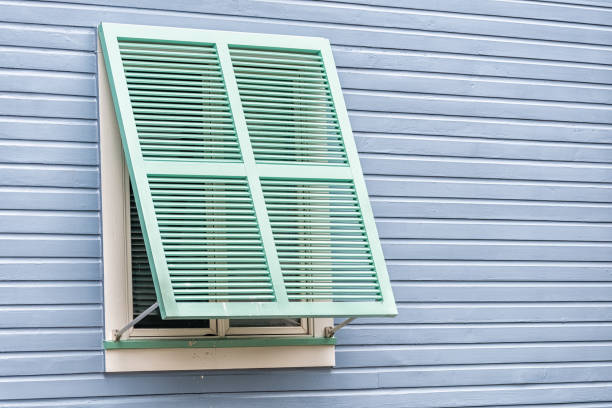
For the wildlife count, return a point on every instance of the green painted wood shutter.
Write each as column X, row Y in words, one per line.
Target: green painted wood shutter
column 249, row 190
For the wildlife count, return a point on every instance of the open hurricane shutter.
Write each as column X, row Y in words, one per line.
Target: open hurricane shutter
column 245, row 174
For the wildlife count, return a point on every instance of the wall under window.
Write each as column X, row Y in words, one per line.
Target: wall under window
column 484, row 129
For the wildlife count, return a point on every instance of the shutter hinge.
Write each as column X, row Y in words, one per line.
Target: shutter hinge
column 330, row 331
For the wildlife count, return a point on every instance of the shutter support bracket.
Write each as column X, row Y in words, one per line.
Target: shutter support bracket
column 330, row 331
column 118, row 333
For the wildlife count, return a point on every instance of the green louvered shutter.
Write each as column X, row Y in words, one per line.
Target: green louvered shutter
column 249, row 191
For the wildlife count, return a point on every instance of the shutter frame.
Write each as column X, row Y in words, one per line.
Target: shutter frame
column 249, row 169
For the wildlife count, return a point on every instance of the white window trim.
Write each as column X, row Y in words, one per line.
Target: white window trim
column 306, row 328
column 117, row 284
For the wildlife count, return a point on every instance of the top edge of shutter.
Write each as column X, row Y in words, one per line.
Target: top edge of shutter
column 245, row 174
column 195, row 35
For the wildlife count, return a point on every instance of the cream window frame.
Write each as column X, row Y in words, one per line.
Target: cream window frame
column 114, row 188
column 305, row 328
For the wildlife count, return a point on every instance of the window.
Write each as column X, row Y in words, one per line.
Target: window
column 143, row 296
column 123, row 300
column 253, row 215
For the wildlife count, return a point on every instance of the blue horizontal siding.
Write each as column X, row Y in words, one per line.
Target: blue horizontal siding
column 486, row 67
column 481, row 396
column 489, row 128
column 477, row 355
column 346, row 379
column 421, row 145
column 362, row 35
column 492, row 271
column 40, row 316
column 485, row 132
column 54, row 292
column 460, row 312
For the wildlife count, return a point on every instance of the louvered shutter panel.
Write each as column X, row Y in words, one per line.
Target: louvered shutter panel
column 248, row 186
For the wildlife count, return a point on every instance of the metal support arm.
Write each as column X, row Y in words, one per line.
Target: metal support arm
column 330, row 331
column 118, row 333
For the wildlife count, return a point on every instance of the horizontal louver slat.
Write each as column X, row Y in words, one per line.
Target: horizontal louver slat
column 321, row 240
column 179, row 101
column 288, row 107
column 143, row 289
column 226, row 262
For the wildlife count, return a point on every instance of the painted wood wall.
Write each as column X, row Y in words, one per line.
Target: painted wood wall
column 484, row 127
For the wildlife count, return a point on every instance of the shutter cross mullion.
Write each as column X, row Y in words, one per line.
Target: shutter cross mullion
column 252, row 174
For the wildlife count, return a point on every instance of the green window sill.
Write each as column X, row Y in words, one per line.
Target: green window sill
column 218, row 343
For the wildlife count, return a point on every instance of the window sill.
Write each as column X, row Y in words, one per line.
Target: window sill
column 135, row 355
column 216, row 342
